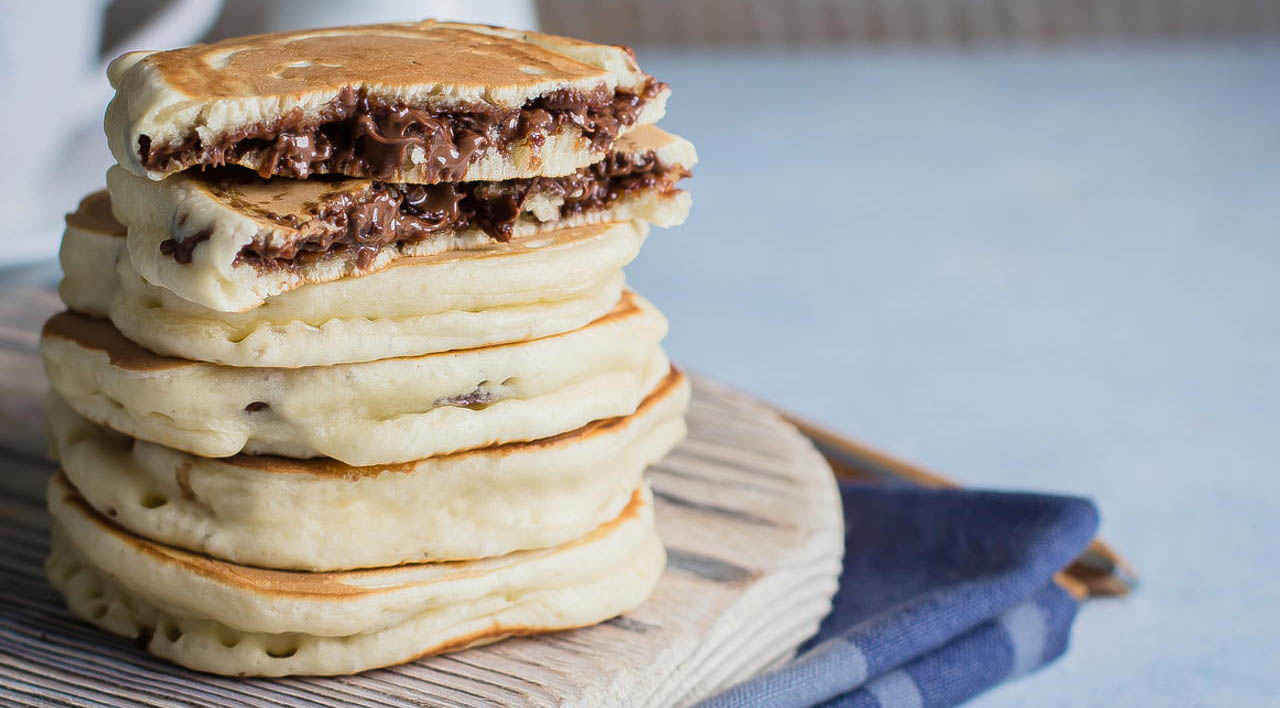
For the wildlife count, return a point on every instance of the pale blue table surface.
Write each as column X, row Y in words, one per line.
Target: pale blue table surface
column 1052, row 271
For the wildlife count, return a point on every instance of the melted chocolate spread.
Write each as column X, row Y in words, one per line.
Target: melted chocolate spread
column 363, row 136
column 358, row 225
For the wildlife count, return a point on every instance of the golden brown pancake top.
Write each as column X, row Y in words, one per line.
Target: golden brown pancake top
column 94, row 214
column 286, row 63
column 99, row 334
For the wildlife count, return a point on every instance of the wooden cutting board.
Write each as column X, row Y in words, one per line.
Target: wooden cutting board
column 747, row 507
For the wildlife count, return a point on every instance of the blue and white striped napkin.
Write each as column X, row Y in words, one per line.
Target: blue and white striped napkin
column 944, row 594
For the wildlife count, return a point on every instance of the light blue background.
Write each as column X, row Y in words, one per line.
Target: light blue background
column 1030, row 270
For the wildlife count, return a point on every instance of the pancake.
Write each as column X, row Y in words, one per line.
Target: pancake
column 502, row 292
column 418, row 102
column 316, row 515
column 239, row 620
column 91, row 243
column 227, row 240
column 379, row 412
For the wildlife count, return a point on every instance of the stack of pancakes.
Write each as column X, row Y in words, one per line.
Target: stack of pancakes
column 349, row 374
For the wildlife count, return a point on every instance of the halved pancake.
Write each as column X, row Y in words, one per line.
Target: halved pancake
column 500, row 292
column 418, row 102
column 319, row 514
column 226, row 239
column 232, row 619
column 386, row 411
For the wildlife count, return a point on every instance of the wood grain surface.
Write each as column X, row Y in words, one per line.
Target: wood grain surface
column 747, row 507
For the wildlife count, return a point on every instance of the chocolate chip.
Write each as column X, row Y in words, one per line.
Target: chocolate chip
column 182, row 250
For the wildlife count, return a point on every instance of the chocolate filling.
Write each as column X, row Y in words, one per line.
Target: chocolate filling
column 182, row 250
column 359, row 224
column 363, row 136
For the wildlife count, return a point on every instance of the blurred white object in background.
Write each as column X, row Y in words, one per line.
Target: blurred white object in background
column 51, row 51
column 302, row 14
column 55, row 65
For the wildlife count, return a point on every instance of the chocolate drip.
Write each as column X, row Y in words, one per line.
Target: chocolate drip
column 363, row 136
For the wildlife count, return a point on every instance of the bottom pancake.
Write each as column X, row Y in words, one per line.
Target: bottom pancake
column 230, row 619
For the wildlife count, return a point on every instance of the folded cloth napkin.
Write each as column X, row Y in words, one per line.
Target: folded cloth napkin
column 944, row 594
